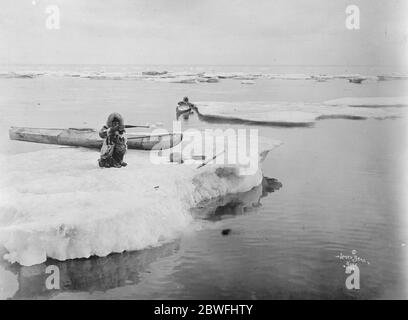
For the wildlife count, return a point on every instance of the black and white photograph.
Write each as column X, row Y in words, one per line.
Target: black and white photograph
column 193, row 150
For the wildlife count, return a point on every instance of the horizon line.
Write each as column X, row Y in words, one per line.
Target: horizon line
column 209, row 64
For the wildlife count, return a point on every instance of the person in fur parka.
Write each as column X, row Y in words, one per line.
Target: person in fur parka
column 114, row 144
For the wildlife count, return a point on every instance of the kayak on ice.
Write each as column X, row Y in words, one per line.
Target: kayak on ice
column 89, row 138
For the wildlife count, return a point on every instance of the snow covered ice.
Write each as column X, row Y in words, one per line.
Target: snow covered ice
column 193, row 76
column 370, row 102
column 58, row 203
column 301, row 113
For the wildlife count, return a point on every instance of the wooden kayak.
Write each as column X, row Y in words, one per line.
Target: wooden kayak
column 89, row 138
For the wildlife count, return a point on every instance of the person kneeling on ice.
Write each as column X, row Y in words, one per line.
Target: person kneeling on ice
column 114, row 144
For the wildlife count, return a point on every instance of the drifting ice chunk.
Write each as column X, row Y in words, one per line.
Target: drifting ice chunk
column 289, row 76
column 370, row 102
column 253, row 112
column 154, row 73
column 286, row 113
column 178, row 79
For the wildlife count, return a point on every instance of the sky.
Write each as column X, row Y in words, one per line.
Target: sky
column 220, row 32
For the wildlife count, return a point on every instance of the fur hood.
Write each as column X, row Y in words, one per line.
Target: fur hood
column 112, row 116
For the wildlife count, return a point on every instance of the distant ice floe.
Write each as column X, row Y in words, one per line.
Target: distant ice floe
column 393, row 76
column 179, row 79
column 289, row 76
column 20, row 75
column 370, row 102
column 276, row 114
column 194, row 77
column 290, row 114
column 58, row 203
column 154, row 73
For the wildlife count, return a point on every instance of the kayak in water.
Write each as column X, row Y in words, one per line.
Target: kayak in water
column 184, row 106
column 183, row 109
column 89, row 138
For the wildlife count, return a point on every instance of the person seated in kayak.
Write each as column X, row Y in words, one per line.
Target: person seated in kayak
column 114, row 142
column 185, row 102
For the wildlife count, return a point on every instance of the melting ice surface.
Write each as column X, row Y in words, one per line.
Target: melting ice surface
column 302, row 114
column 58, row 203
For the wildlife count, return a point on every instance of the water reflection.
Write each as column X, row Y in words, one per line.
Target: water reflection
column 236, row 204
column 122, row 269
column 89, row 275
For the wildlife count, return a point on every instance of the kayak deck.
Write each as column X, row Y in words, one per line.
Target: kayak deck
column 89, row 138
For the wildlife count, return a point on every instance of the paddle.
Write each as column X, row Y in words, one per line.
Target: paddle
column 139, row 137
column 209, row 160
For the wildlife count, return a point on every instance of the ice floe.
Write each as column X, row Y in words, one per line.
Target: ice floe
column 299, row 114
column 195, row 75
column 379, row 102
column 58, row 203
